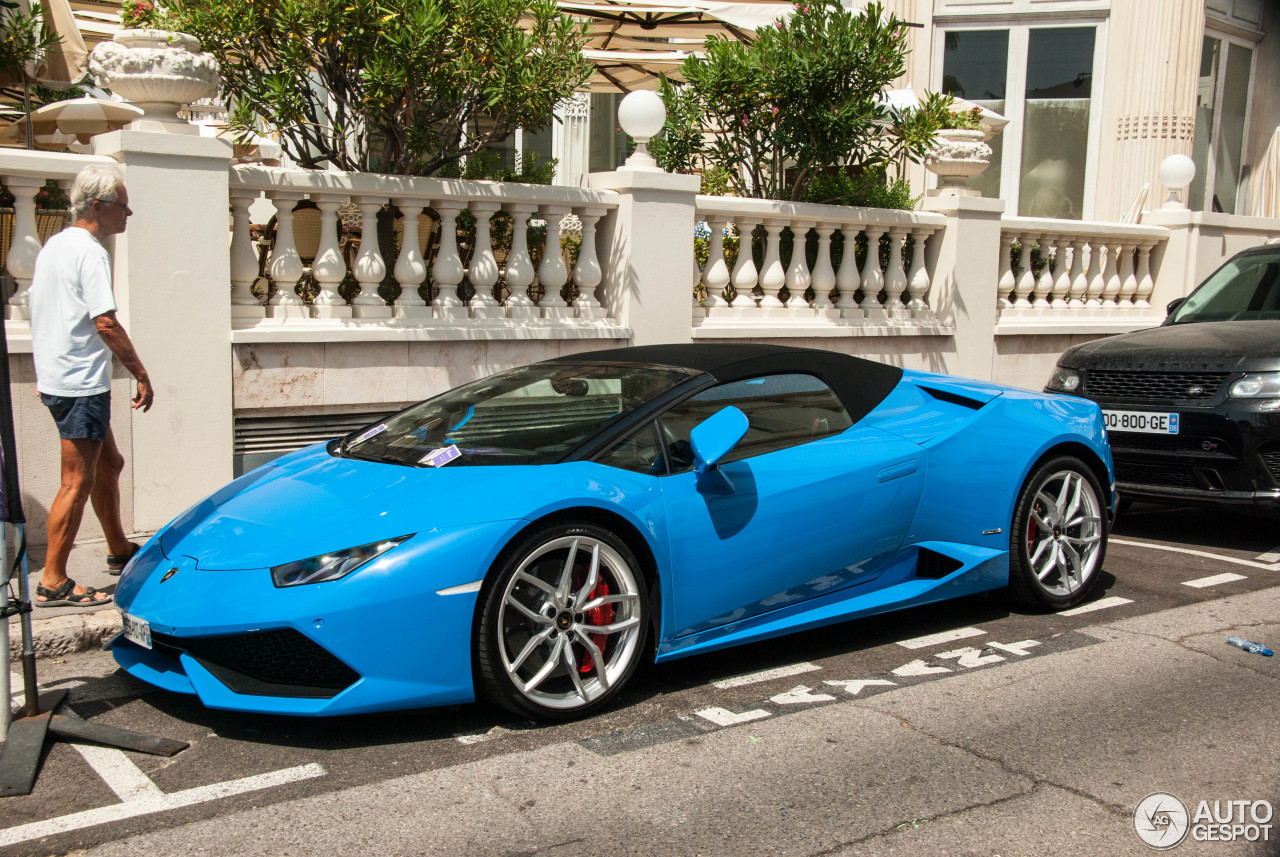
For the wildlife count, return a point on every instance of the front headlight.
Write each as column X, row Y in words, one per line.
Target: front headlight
column 1262, row 385
column 1064, row 380
column 331, row 566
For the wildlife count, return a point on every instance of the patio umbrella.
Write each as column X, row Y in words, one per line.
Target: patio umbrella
column 627, row 71
column 80, row 118
column 66, row 61
column 1266, row 180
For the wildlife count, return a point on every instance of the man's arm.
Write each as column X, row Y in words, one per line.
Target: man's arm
column 117, row 339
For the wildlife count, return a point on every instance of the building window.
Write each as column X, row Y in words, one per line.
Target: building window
column 1041, row 79
column 610, row 146
column 1222, row 113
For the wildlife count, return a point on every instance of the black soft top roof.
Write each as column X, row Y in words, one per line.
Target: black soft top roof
column 860, row 384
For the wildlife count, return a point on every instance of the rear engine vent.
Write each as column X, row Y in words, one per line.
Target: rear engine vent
column 932, row 565
column 952, row 398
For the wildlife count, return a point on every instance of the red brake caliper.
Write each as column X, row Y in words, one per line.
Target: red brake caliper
column 602, row 615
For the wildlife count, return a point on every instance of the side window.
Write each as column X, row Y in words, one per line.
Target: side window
column 782, row 411
column 640, row 452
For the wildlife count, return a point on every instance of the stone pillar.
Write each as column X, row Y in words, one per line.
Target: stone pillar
column 647, row 242
column 174, row 299
column 967, row 278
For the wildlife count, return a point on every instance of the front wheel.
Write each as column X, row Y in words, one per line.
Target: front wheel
column 563, row 623
column 1059, row 536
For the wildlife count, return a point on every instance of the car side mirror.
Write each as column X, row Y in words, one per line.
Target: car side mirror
column 1173, row 305
column 711, row 440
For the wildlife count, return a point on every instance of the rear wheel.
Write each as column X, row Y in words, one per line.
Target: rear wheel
column 1059, row 536
column 563, row 623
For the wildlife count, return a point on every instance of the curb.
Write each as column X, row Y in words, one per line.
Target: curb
column 66, row 634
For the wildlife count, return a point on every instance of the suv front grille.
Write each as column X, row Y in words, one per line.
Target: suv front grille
column 1113, row 385
column 1271, row 457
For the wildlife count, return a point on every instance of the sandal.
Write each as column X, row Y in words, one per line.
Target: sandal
column 116, row 564
column 65, row 595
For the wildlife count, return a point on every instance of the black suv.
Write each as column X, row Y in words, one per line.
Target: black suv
column 1193, row 407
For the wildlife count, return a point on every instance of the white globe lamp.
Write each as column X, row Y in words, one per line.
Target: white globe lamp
column 642, row 115
column 1176, row 172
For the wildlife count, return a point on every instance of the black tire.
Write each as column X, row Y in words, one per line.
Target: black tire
column 1059, row 536
column 536, row 653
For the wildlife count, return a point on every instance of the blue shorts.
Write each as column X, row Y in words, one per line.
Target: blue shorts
column 80, row 417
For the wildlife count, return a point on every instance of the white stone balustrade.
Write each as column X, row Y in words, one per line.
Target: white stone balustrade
column 445, row 267
column 1091, row 276
column 822, row 297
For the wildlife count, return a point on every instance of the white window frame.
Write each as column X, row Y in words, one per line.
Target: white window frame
column 1226, row 38
column 1015, row 95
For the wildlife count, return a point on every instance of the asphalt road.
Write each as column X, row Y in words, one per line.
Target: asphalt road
column 961, row 728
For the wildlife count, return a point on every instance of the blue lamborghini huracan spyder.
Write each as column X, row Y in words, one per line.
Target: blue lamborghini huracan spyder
column 531, row 537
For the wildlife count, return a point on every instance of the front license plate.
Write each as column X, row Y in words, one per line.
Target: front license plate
column 137, row 630
column 1141, row 422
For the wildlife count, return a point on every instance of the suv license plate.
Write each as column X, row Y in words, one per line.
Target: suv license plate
column 1141, row 422
column 137, row 630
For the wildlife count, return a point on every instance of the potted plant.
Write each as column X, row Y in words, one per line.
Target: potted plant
column 959, row 151
column 155, row 67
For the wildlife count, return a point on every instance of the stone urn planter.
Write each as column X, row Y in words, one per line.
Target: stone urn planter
column 159, row 71
column 956, row 155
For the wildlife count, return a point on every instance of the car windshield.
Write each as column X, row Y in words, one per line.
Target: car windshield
column 1244, row 289
column 531, row 415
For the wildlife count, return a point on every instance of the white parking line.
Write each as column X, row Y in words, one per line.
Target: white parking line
column 1272, row 555
column 765, row 675
column 1202, row 582
column 1269, row 566
column 1103, row 604
column 941, row 637
column 725, row 717
column 114, row 767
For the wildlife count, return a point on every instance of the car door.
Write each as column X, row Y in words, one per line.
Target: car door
column 817, row 504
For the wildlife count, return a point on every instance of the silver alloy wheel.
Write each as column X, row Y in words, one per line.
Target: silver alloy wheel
column 569, row 622
column 1064, row 532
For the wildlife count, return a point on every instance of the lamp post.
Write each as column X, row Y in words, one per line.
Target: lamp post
column 1176, row 172
column 642, row 115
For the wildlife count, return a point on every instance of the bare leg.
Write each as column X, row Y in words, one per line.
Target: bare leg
column 79, row 467
column 105, row 496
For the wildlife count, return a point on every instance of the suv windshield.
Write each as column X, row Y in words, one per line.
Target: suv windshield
column 1245, row 289
column 531, row 415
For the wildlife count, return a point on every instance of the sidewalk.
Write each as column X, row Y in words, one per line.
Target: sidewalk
column 64, row 630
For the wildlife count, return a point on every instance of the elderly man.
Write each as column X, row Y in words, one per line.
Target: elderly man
column 74, row 333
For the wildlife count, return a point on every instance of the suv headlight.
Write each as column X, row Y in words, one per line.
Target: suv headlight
column 1064, row 380
column 331, row 566
column 1261, row 385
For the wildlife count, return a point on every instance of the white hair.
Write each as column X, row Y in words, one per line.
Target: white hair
column 96, row 181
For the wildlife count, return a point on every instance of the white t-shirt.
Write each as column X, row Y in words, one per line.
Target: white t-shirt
column 71, row 286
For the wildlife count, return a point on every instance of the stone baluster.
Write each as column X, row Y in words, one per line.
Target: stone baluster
column 26, row 244
column 1146, row 284
column 1026, row 282
column 918, row 283
column 552, row 273
column 1128, row 277
column 519, row 272
column 411, row 270
column 824, row 275
column 1044, row 284
column 1079, row 280
column 715, row 275
column 1096, row 284
column 286, row 266
column 328, row 268
column 745, row 276
column 798, row 277
column 1111, row 276
column 1061, row 273
column 696, row 274
column 872, row 276
column 369, row 267
column 447, row 271
column 586, row 273
column 772, row 277
column 847, row 278
column 245, row 307
column 895, row 279
column 1007, row 283
column 483, row 270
